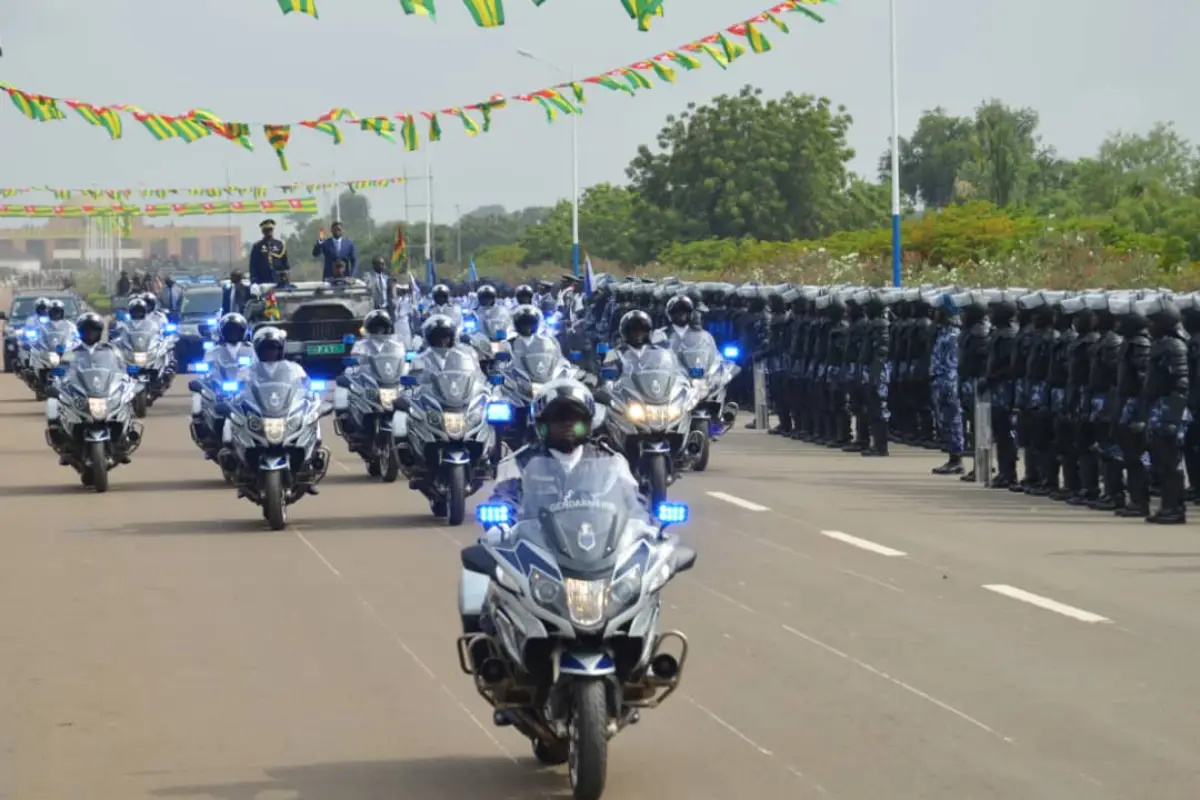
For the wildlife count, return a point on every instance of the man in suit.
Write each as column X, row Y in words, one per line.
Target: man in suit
column 337, row 247
column 234, row 294
column 268, row 256
column 380, row 283
column 173, row 295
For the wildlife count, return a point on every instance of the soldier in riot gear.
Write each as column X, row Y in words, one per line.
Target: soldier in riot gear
column 1041, row 461
column 1026, row 334
column 1128, row 433
column 1078, row 411
column 902, row 425
column 1102, row 394
column 1059, row 381
column 852, row 372
column 1165, row 400
column 1189, row 307
column 833, row 345
column 778, row 330
column 943, row 377
column 920, row 352
column 877, row 370
column 1001, row 384
column 973, row 348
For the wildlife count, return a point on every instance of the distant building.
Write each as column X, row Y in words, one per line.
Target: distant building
column 14, row 260
column 62, row 243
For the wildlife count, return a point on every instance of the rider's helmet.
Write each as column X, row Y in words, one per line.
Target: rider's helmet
column 138, row 309
column 56, row 311
column 269, row 344
column 379, row 323
column 441, row 295
column 41, row 307
column 439, row 332
column 527, row 320
column 524, row 295
column 486, row 296
column 680, row 309
column 151, row 301
column 563, row 412
column 636, row 327
column 90, row 327
column 233, row 327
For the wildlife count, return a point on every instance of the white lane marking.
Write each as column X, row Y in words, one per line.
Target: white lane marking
column 374, row 614
column 731, row 729
column 725, row 597
column 897, row 682
column 1045, row 602
column 864, row 544
column 737, row 501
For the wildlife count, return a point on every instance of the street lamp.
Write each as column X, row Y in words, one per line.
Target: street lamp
column 896, row 249
column 575, row 250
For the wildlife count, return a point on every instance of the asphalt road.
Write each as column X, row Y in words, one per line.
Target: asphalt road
column 158, row 642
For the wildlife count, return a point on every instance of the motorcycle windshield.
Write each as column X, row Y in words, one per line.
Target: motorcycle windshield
column 653, row 375
column 96, row 374
column 386, row 367
column 141, row 335
column 495, row 320
column 697, row 350
column 272, row 388
column 581, row 515
column 537, row 358
column 457, row 382
column 56, row 333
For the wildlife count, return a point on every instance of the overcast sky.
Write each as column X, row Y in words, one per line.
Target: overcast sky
column 1088, row 66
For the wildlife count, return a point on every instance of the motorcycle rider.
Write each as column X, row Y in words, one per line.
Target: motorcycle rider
column 377, row 324
column 39, row 313
column 444, row 306
column 528, row 323
column 231, row 344
column 524, row 295
column 486, row 296
column 440, row 334
column 152, row 311
column 680, row 313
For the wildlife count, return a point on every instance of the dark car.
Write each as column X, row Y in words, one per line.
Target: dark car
column 199, row 313
column 22, row 307
column 321, row 322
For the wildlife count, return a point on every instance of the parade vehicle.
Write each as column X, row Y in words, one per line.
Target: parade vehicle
column 14, row 320
column 561, row 612
column 199, row 313
column 321, row 320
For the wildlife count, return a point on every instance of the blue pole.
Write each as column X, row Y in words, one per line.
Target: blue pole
column 897, row 251
column 575, row 257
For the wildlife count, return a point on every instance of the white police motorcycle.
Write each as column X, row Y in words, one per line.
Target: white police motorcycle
column 363, row 403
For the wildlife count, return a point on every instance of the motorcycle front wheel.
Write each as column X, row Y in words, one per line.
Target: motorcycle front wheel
column 701, row 462
column 456, row 494
column 587, row 749
column 140, row 404
column 656, row 476
column 389, row 463
column 274, row 507
column 97, row 456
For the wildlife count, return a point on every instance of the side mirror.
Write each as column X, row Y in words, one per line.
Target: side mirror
column 342, row 381
column 401, row 404
column 408, row 380
column 685, row 558
column 195, row 386
column 51, row 392
column 477, row 559
column 610, row 373
column 223, row 409
column 602, row 396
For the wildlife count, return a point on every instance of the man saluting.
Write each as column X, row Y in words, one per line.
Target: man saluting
column 268, row 256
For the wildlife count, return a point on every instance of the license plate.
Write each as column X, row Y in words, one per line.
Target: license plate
column 325, row 349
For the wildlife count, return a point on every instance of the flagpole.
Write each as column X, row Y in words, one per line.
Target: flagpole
column 897, row 251
column 407, row 260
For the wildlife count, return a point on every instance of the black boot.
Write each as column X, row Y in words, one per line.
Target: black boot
column 879, row 436
column 953, row 466
column 1138, row 504
column 1173, row 510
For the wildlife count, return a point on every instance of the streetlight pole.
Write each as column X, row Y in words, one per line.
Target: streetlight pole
column 576, row 250
column 428, row 216
column 897, row 252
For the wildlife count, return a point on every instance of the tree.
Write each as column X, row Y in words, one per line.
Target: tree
column 1005, row 151
column 930, row 162
column 773, row 170
column 606, row 219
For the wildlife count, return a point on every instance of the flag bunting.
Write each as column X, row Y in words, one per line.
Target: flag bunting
column 299, row 205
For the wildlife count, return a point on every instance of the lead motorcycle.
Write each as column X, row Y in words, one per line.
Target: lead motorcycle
column 46, row 352
column 561, row 614
column 149, row 354
column 272, row 443
column 444, row 439
column 363, row 400
column 88, row 415
column 710, row 373
column 651, row 400
column 222, row 377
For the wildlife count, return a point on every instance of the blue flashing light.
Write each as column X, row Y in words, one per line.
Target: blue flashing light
column 43, row 320
column 672, row 513
column 348, row 339
column 318, row 386
column 602, row 348
column 133, row 369
column 60, row 349
column 732, row 352
column 610, row 373
column 575, row 355
column 170, row 327
column 696, row 372
column 499, row 412
column 493, row 513
column 200, row 367
column 408, row 380
column 213, row 321
column 245, row 361
column 496, row 380
column 410, row 355
column 58, row 372
column 470, row 325
column 229, row 386
column 500, row 336
column 209, row 346
column 30, row 333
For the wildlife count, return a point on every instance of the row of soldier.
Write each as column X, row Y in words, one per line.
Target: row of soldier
column 1089, row 393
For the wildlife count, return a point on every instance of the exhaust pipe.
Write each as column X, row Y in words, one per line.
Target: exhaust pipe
column 729, row 413
column 665, row 666
column 493, row 671
column 695, row 443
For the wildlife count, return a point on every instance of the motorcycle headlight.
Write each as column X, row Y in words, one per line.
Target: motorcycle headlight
column 53, row 359
column 535, row 388
column 98, row 407
column 434, row 418
column 139, row 359
column 274, row 429
column 674, row 411
column 455, row 423
column 544, row 589
column 387, row 397
column 628, row 587
column 586, row 601
column 255, row 424
column 636, row 412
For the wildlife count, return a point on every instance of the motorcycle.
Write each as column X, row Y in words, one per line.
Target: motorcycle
column 46, row 351
column 710, row 374
column 561, row 616
column 534, row 363
column 149, row 356
column 444, row 439
column 651, row 400
column 489, row 336
column 272, row 449
column 223, row 376
column 362, row 404
column 88, row 416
